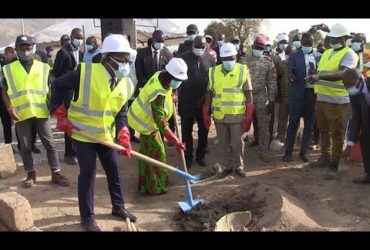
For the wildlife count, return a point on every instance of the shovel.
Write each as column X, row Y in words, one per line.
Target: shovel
column 190, row 203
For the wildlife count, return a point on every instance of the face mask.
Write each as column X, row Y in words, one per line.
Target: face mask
column 336, row 46
column 198, row 52
column 175, row 84
column 229, row 65
column 158, row 46
column 123, row 69
column 297, row 44
column 306, row 49
column 220, row 43
column 353, row 91
column 268, row 49
column 51, row 53
column 26, row 56
column 191, row 37
column 89, row 47
column 237, row 46
column 257, row 53
column 77, row 42
column 283, row 46
column 356, row 46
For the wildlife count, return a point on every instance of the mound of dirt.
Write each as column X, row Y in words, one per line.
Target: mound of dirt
column 264, row 202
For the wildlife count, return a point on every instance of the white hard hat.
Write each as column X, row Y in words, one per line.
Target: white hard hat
column 177, row 68
column 276, row 145
column 228, row 49
column 282, row 37
column 116, row 43
column 339, row 30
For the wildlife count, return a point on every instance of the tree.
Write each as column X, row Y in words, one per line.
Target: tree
column 244, row 29
column 318, row 37
column 292, row 33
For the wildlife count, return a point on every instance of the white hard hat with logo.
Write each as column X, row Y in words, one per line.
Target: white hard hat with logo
column 339, row 30
column 116, row 43
column 228, row 49
column 177, row 68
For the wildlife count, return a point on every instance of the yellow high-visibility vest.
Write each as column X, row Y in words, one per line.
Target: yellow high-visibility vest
column 97, row 106
column 331, row 88
column 28, row 91
column 140, row 116
column 228, row 94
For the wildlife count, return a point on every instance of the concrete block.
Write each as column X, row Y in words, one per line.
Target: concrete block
column 7, row 162
column 15, row 211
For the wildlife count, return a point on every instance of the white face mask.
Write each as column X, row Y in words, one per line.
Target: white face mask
column 297, row 44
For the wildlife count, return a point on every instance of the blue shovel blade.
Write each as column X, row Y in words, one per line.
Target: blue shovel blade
column 185, row 207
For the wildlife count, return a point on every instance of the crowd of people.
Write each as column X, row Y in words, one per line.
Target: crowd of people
column 113, row 91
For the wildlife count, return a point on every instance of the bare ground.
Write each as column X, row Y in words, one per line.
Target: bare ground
column 281, row 196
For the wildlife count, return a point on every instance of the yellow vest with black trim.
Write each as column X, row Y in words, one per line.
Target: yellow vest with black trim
column 331, row 88
column 97, row 106
column 140, row 116
column 228, row 94
column 28, row 91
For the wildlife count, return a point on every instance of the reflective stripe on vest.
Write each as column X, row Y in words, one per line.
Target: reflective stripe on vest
column 97, row 105
column 334, row 89
column 228, row 95
column 28, row 91
column 140, row 116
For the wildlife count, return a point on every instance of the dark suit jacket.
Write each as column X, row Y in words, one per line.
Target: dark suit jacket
column 65, row 61
column 297, row 66
column 360, row 120
column 217, row 50
column 144, row 65
column 185, row 47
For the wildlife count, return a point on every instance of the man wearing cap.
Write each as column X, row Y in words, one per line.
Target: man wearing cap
column 263, row 77
column 332, row 97
column 149, row 115
column 230, row 98
column 211, row 51
column 66, row 60
column 25, row 95
column 236, row 41
column 99, row 109
column 192, row 97
column 191, row 32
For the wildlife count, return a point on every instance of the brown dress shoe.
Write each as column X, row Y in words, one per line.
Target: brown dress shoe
column 59, row 179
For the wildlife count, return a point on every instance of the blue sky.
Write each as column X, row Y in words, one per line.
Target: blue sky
column 272, row 27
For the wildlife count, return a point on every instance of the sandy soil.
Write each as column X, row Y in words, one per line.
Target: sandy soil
column 281, row 196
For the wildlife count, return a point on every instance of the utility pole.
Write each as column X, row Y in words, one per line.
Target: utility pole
column 22, row 23
column 125, row 26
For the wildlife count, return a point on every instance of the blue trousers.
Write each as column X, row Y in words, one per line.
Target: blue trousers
column 86, row 153
column 306, row 110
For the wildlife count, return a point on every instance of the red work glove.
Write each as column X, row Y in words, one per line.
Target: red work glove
column 206, row 116
column 173, row 140
column 63, row 123
column 123, row 139
column 248, row 117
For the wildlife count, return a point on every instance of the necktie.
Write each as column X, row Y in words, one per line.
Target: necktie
column 155, row 61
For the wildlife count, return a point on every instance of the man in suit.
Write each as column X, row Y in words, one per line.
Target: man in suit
column 191, row 32
column 359, row 126
column 301, row 96
column 150, row 60
column 66, row 61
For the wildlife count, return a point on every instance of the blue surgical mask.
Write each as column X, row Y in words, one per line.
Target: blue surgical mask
column 198, row 52
column 77, row 42
column 158, row 46
column 336, row 46
column 306, row 50
column 283, row 46
column 353, row 91
column 175, row 84
column 257, row 53
column 191, row 37
column 229, row 65
column 356, row 46
column 123, row 69
column 89, row 47
column 297, row 44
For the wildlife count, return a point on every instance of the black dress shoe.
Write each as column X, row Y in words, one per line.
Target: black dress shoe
column 90, row 225
column 123, row 214
column 35, row 149
column 202, row 162
column 287, row 157
column 188, row 163
column 362, row 180
column 303, row 157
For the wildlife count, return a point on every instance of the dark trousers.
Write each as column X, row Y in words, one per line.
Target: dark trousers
column 6, row 121
column 132, row 131
column 68, row 146
column 187, row 136
column 306, row 110
column 33, row 138
column 86, row 153
column 365, row 150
